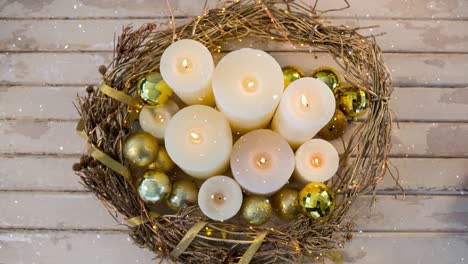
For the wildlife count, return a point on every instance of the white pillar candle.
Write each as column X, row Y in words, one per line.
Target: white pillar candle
column 262, row 162
column 155, row 120
column 220, row 198
column 187, row 66
column 316, row 161
column 306, row 106
column 247, row 85
column 199, row 140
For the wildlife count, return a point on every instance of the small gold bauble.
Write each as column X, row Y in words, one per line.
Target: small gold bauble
column 140, row 149
column 290, row 74
column 327, row 75
column 163, row 161
column 256, row 210
column 316, row 200
column 285, row 203
column 335, row 128
column 153, row 90
column 353, row 101
column 183, row 194
column 154, row 186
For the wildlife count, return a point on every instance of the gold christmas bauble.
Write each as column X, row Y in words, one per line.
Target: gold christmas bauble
column 353, row 101
column 256, row 210
column 327, row 75
column 316, row 200
column 290, row 74
column 285, row 203
column 335, row 128
column 153, row 90
column 163, row 161
column 154, row 186
column 140, row 149
column 183, row 194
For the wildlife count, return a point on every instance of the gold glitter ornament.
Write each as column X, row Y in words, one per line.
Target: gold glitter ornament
column 183, row 194
column 290, row 74
column 327, row 75
column 316, row 200
column 256, row 210
column 154, row 186
column 353, row 101
column 140, row 149
column 285, row 203
column 335, row 128
column 153, row 90
column 163, row 161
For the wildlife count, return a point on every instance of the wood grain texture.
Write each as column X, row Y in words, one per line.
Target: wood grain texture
column 53, row 247
column 81, row 68
column 84, row 35
column 449, row 9
column 83, row 211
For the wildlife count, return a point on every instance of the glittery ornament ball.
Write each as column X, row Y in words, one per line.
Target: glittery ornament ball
column 183, row 194
column 316, row 200
column 335, row 128
column 285, row 203
column 256, row 210
column 327, row 75
column 353, row 101
column 153, row 90
column 290, row 74
column 140, row 149
column 154, row 186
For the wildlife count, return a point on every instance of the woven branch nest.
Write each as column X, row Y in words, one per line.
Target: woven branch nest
column 362, row 165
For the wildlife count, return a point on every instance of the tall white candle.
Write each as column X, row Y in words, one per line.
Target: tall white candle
column 247, row 85
column 155, row 120
column 316, row 161
column 262, row 161
column 220, row 198
column 306, row 106
column 199, row 140
column 187, row 66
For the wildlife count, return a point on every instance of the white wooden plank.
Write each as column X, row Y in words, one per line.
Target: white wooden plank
column 51, row 102
column 98, row 35
column 46, row 247
column 416, row 175
column 38, row 102
column 38, row 173
column 450, row 9
column 83, row 211
column 37, row 137
column 81, row 68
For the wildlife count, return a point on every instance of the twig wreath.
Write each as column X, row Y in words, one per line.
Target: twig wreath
column 104, row 122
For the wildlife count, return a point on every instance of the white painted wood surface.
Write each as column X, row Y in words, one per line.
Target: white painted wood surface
column 49, row 50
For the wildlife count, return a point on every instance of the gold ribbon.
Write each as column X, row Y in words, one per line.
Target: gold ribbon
column 103, row 157
column 139, row 220
column 119, row 96
column 250, row 252
column 188, row 238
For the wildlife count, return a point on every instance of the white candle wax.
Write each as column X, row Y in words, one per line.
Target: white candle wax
column 247, row 85
column 306, row 106
column 199, row 140
column 316, row 161
column 262, row 162
column 155, row 120
column 187, row 66
column 220, row 198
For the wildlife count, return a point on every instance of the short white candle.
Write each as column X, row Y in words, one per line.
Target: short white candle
column 187, row 66
column 199, row 140
column 155, row 120
column 220, row 198
column 316, row 161
column 247, row 85
column 262, row 162
column 306, row 106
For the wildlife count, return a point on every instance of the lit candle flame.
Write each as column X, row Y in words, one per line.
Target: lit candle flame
column 185, row 65
column 316, row 161
column 195, row 136
column 304, row 101
column 262, row 160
